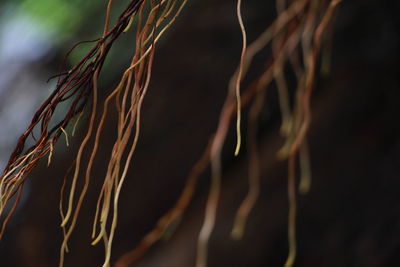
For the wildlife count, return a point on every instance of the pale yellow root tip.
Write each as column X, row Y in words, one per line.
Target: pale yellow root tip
column 129, row 25
column 239, row 140
column 66, row 135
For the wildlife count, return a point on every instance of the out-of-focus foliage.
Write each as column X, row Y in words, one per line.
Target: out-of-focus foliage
column 61, row 16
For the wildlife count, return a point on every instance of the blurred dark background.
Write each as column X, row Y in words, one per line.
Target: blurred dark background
column 351, row 216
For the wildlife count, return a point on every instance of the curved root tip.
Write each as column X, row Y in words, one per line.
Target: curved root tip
column 94, row 242
column 237, row 150
column 237, row 233
column 64, row 223
column 283, row 153
column 304, row 187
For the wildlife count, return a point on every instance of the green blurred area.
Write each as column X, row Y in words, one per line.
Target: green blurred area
column 64, row 17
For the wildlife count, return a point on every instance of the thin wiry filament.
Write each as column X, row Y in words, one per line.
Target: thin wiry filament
column 239, row 78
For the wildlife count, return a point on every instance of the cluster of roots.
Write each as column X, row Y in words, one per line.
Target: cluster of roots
column 295, row 39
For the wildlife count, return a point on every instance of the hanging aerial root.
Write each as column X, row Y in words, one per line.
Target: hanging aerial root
column 311, row 62
column 254, row 169
column 290, row 36
column 292, row 211
column 128, row 96
column 239, row 78
column 216, row 148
